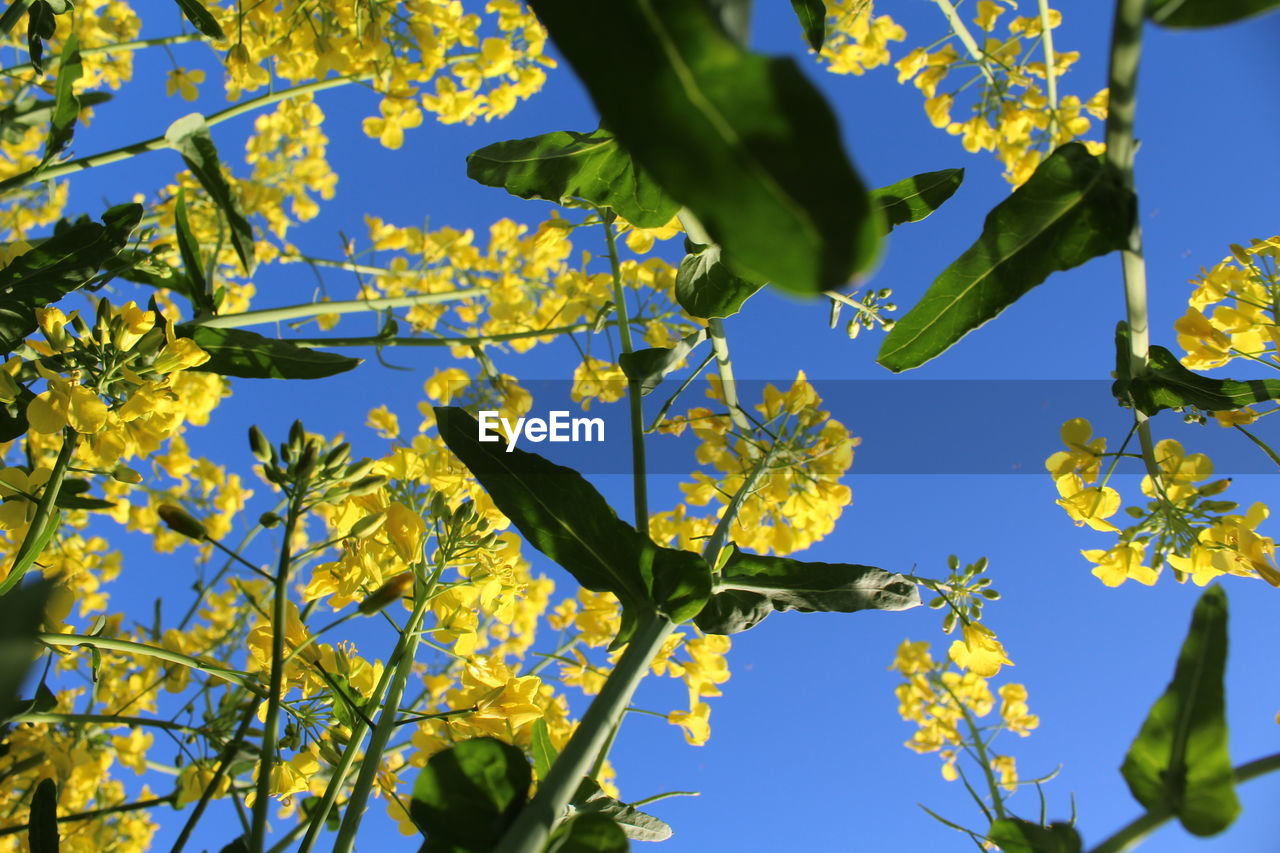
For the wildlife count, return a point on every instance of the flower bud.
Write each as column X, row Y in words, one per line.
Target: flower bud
column 367, row 485
column 390, row 591
column 367, row 526
column 125, row 474
column 258, row 445
column 269, row 520
column 179, row 520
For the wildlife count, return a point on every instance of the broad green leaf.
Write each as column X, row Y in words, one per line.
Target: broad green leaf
column 67, row 260
column 544, row 751
column 1179, row 762
column 21, row 612
column 914, row 198
column 195, row 12
column 236, row 352
column 13, row 416
column 562, row 515
column 40, row 26
column 66, row 105
column 192, row 260
column 1072, row 209
column 745, row 142
column 650, row 366
column 813, row 19
column 1205, row 13
column 467, row 795
column 706, row 288
column 635, row 824
column 571, row 168
column 42, row 821
column 189, row 136
column 1169, row 385
column 752, row 586
column 588, row 833
column 1015, row 835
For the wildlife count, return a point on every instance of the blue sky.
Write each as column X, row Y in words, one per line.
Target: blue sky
column 806, row 750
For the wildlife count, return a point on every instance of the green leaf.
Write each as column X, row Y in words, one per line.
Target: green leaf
column 240, row 844
column 189, row 136
column 142, row 267
column 1205, row 13
column 650, row 366
column 192, row 260
column 236, row 352
column 813, row 19
column 914, row 198
column 1072, row 209
column 1169, row 385
column 1179, row 762
column 562, row 515
column 195, row 12
column 544, row 751
column 635, row 824
column 57, row 266
column 13, row 416
column 588, row 833
column 66, row 105
column 745, row 142
column 752, row 586
column 40, row 26
column 1015, row 835
column 42, row 822
column 467, row 795
column 706, row 288
column 571, row 168
column 21, row 612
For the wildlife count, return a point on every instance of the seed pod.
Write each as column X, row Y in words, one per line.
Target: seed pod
column 258, row 445
column 179, row 520
column 390, row 591
column 367, row 526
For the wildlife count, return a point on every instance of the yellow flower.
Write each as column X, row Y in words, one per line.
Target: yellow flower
column 1121, row 563
column 184, row 81
column 695, row 722
column 1083, row 452
column 980, row 652
column 1088, row 505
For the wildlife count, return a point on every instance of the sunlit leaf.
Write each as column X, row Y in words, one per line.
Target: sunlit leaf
column 914, row 198
column 189, row 136
column 1205, row 13
column 237, row 352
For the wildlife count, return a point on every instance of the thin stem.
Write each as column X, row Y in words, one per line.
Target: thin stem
column 106, row 721
column 1050, row 72
column 127, row 151
column 136, row 805
column 1126, row 50
column 529, row 832
column 1135, row 832
column 313, row 309
column 270, row 731
column 720, row 346
column 966, row 38
column 45, row 509
column 242, row 679
column 229, row 753
column 721, row 534
column 640, row 483
column 406, row 650
column 376, row 341
column 121, row 47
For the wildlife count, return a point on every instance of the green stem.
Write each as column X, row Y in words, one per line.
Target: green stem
column 228, row 755
column 640, row 483
column 1126, row 51
column 129, row 647
column 127, row 151
column 530, row 830
column 121, row 47
column 45, row 509
column 1135, row 832
column 339, row 775
column 720, row 346
column 313, row 309
column 102, row 812
column 106, row 721
column 966, row 38
column 1050, row 72
column 406, row 650
column 279, row 617
column 376, row 341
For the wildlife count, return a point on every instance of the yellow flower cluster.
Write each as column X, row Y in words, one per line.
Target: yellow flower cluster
column 795, row 494
column 947, row 706
column 1012, row 113
column 1232, row 312
column 1183, row 524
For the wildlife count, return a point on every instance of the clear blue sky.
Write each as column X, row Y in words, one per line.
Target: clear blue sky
column 806, row 751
